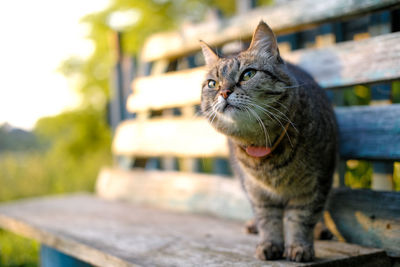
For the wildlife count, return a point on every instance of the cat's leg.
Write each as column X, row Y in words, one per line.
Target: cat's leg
column 251, row 227
column 321, row 231
column 268, row 215
column 299, row 221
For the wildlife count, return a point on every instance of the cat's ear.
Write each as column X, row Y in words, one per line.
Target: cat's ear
column 264, row 40
column 209, row 55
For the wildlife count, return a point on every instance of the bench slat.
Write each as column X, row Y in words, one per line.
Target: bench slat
column 107, row 233
column 366, row 61
column 169, row 137
column 294, row 15
column 176, row 190
column 366, row 132
column 370, row 132
column 367, row 217
column 167, row 91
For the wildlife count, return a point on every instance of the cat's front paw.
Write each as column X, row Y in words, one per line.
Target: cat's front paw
column 299, row 252
column 269, row 251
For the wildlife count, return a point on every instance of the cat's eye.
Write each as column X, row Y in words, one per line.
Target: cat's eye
column 248, row 74
column 211, row 83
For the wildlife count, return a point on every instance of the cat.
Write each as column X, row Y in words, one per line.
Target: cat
column 282, row 136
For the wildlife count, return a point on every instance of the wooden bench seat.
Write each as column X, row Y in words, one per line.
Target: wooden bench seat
column 105, row 233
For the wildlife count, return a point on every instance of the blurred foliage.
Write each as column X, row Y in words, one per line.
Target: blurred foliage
column 264, row 2
column 74, row 145
column 76, row 134
column 358, row 174
column 396, row 176
column 34, row 174
column 17, row 251
column 396, row 92
column 357, row 95
column 92, row 76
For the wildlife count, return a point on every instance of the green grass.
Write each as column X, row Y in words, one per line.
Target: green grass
column 17, row 251
column 31, row 174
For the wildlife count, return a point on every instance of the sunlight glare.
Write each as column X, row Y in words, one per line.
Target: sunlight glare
column 36, row 37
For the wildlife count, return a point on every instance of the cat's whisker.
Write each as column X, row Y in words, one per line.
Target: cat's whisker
column 198, row 114
column 215, row 115
column 211, row 111
column 248, row 113
column 208, row 113
column 260, row 122
column 283, row 114
column 269, row 114
column 281, row 124
column 245, row 109
column 215, row 111
column 282, row 105
column 246, row 98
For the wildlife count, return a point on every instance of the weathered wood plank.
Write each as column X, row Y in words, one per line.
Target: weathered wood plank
column 367, row 217
column 192, row 137
column 369, row 132
column 349, row 63
column 366, row 132
column 293, row 15
column 361, row 216
column 366, row 61
column 167, row 90
column 108, row 233
column 179, row 191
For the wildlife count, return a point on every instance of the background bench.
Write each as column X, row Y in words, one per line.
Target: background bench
column 167, row 156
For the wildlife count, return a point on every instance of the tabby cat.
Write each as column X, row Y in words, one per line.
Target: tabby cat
column 282, row 137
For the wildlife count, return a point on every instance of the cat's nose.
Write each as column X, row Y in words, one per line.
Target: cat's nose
column 225, row 92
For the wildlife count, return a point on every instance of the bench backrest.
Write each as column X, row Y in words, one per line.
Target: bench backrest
column 169, row 133
column 337, row 66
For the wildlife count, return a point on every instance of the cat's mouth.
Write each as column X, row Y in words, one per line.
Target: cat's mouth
column 227, row 107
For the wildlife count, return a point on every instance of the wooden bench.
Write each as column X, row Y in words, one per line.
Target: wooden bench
column 161, row 206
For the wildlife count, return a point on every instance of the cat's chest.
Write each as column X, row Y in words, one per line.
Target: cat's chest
column 285, row 183
column 284, row 178
column 263, row 171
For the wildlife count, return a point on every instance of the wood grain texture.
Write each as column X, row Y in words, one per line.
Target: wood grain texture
column 349, row 63
column 369, row 132
column 169, row 90
column 355, row 62
column 367, row 217
column 366, row 132
column 108, row 233
column 192, row 137
column 360, row 216
column 179, row 191
column 291, row 16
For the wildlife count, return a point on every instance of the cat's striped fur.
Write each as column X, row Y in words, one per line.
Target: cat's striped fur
column 287, row 188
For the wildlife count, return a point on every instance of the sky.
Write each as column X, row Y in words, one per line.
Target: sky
column 36, row 36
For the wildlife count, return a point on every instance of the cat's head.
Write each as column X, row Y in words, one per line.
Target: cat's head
column 246, row 95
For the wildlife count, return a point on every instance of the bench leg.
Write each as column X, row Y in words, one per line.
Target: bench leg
column 50, row 257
